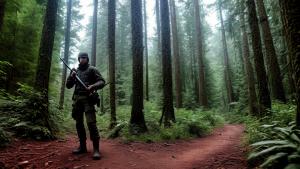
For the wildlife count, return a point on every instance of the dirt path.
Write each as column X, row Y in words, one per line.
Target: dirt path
column 221, row 150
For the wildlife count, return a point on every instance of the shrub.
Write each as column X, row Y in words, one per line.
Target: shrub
column 4, row 138
column 189, row 124
column 24, row 115
column 280, row 149
column 281, row 114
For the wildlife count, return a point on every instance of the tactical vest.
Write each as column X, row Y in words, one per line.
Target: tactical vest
column 87, row 77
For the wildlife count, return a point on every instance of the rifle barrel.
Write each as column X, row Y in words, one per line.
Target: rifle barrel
column 77, row 78
column 65, row 63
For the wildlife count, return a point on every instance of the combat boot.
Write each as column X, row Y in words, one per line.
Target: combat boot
column 96, row 153
column 81, row 149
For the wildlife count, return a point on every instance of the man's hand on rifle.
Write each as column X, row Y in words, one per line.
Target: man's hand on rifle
column 90, row 88
column 73, row 73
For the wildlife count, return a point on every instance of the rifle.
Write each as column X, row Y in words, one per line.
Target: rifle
column 76, row 76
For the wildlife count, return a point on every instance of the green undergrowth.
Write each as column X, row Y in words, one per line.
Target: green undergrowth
column 189, row 124
column 274, row 141
column 279, row 147
column 281, row 115
column 23, row 115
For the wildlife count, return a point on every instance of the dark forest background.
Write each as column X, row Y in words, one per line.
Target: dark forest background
column 180, row 82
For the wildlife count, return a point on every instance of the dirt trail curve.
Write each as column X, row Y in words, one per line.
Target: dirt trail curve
column 221, row 150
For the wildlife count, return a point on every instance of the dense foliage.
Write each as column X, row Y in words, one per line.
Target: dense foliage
column 280, row 147
column 274, row 139
column 231, row 64
column 189, row 124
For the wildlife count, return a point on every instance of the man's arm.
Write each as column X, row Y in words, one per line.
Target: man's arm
column 71, row 79
column 99, row 80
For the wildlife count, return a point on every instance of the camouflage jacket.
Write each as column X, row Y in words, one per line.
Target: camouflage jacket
column 89, row 75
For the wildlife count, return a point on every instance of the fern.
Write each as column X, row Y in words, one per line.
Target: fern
column 284, row 151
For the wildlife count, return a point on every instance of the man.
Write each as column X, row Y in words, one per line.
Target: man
column 82, row 104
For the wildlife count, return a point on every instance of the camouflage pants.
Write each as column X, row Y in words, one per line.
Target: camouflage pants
column 81, row 106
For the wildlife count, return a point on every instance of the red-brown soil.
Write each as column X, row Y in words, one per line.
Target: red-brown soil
column 221, row 150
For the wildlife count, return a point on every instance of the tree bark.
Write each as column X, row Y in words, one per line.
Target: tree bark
column 168, row 109
column 159, row 58
column 199, row 51
column 2, row 8
column 158, row 24
column 94, row 34
column 252, row 98
column 287, row 62
column 112, row 57
column 291, row 23
column 227, row 77
column 66, row 54
column 275, row 79
column 178, row 87
column 45, row 56
column 137, row 114
column 146, row 50
column 263, row 90
column 46, row 47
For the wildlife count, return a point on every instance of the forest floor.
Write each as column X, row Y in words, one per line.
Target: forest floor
column 221, row 150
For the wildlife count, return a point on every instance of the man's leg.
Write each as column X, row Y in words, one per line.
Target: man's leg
column 77, row 114
column 94, row 133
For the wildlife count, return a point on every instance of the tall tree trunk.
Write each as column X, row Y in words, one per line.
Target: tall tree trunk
column 194, row 73
column 199, row 47
column 94, row 34
column 146, row 50
column 252, row 98
column 111, row 53
column 158, row 25
column 45, row 55
column 168, row 109
column 46, row 47
column 193, row 67
column 193, row 61
column 66, row 54
column 287, row 61
column 2, row 8
column 137, row 114
column 263, row 90
column 274, row 75
column 240, row 49
column 291, row 22
column 175, row 43
column 228, row 82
